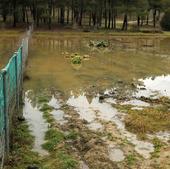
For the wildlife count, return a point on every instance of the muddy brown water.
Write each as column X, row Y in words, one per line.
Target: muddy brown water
column 127, row 59
column 8, row 45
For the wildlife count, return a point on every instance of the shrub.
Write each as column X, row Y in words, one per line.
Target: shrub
column 165, row 22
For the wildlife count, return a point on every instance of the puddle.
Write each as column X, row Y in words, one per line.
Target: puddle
column 96, row 126
column 116, row 155
column 104, row 111
column 162, row 135
column 119, row 66
column 54, row 103
column 158, row 86
column 137, row 103
column 59, row 116
column 37, row 125
column 83, row 165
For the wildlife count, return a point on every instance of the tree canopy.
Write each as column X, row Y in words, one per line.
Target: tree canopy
column 92, row 13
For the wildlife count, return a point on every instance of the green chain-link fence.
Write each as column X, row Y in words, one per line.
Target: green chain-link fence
column 11, row 79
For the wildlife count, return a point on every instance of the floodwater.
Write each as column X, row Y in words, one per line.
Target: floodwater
column 8, row 45
column 131, row 66
column 37, row 124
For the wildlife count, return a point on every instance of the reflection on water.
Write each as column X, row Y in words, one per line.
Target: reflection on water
column 37, row 124
column 94, row 111
column 127, row 60
column 159, row 85
column 49, row 65
column 8, row 45
column 116, row 154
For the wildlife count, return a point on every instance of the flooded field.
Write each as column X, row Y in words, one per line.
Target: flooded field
column 9, row 43
column 112, row 110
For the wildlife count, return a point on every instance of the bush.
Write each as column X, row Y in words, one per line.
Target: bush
column 165, row 22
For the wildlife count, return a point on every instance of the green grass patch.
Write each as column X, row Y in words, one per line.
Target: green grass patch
column 130, row 159
column 53, row 137
column 42, row 99
column 72, row 135
column 46, row 108
column 67, row 162
column 21, row 155
column 157, row 147
column 148, row 120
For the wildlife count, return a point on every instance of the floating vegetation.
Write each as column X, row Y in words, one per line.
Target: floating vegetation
column 99, row 44
column 76, row 59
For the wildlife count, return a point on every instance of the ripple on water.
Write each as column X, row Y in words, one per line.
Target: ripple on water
column 37, row 125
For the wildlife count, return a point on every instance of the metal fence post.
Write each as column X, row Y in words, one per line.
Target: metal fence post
column 6, row 116
column 22, row 73
column 16, row 75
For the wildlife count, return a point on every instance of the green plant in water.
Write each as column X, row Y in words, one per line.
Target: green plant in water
column 99, row 44
column 76, row 59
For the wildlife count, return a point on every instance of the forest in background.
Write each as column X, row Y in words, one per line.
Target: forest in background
column 108, row 14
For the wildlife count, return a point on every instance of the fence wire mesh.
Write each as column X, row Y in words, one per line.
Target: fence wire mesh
column 11, row 80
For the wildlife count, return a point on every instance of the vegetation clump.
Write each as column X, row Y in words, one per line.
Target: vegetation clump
column 148, row 120
column 76, row 59
column 53, row 137
column 21, row 155
column 165, row 22
column 99, row 44
column 157, row 147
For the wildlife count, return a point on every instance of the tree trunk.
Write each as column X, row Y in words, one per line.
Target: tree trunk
column 125, row 23
column 154, row 18
column 105, row 14
column 138, row 21
column 90, row 17
column 14, row 13
column 68, row 15
column 62, row 10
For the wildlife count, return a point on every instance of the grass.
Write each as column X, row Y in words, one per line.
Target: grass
column 67, row 161
column 72, row 135
column 46, row 108
column 130, row 159
column 157, row 147
column 70, row 33
column 53, row 137
column 149, row 120
column 60, row 156
column 21, row 155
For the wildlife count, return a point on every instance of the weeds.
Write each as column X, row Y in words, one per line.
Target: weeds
column 130, row 159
